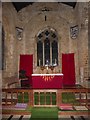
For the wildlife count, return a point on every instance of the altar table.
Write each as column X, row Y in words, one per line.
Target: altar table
column 47, row 81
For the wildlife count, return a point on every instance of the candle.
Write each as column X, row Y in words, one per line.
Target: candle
column 39, row 62
column 55, row 61
column 47, row 67
column 47, row 61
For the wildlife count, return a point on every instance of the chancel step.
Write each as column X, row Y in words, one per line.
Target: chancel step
column 16, row 117
column 27, row 117
column 73, row 118
column 79, row 118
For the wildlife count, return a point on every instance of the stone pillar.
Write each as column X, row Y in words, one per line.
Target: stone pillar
column 89, row 39
column 89, row 45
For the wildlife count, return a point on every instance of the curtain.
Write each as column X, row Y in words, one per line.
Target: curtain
column 68, row 69
column 26, row 63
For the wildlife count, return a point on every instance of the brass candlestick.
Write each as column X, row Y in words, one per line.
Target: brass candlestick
column 42, row 68
column 52, row 68
column 47, row 69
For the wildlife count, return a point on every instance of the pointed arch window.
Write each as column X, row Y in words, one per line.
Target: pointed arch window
column 47, row 48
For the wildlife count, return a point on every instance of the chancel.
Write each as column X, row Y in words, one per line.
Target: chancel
column 45, row 60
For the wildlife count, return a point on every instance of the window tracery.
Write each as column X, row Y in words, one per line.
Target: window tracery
column 47, row 47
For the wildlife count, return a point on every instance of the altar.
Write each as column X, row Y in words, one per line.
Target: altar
column 47, row 81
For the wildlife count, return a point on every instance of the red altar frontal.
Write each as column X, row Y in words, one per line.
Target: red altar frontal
column 47, row 81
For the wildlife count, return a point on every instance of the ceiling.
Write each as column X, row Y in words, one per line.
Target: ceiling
column 19, row 5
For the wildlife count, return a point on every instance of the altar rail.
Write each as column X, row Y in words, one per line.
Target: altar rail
column 13, row 96
column 83, row 95
column 45, row 98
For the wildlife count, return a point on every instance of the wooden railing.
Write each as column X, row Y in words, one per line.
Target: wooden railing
column 83, row 95
column 82, row 99
column 45, row 98
column 13, row 96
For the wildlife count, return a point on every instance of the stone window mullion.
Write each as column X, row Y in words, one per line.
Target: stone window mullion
column 51, row 52
column 43, row 55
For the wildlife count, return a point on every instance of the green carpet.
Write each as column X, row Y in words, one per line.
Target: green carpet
column 44, row 113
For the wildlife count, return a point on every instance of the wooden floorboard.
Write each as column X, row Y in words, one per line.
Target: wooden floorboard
column 79, row 113
column 10, row 117
column 20, row 117
column 72, row 118
column 16, row 112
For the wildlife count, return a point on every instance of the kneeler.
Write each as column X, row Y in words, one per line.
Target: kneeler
column 26, row 63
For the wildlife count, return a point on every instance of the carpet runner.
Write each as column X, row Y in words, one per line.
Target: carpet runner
column 44, row 113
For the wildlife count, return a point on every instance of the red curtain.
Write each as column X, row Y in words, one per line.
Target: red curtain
column 68, row 69
column 26, row 63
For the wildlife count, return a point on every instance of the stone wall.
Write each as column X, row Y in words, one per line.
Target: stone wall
column 89, row 42
column 82, row 21
column 0, row 48
column 32, row 19
column 0, row 58
column 9, row 19
column 89, row 36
